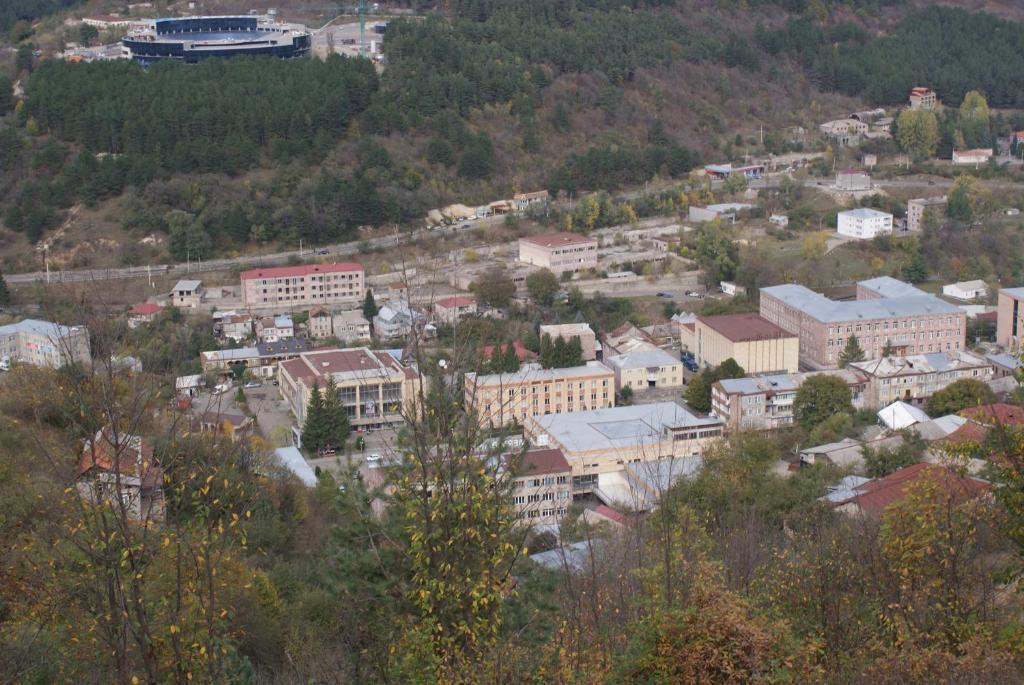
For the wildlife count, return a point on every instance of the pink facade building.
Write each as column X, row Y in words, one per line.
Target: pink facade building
column 303, row 286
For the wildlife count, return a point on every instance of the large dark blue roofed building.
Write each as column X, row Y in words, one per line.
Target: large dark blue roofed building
column 192, row 39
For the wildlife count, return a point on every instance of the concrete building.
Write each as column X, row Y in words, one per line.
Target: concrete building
column 142, row 314
column 627, row 338
column 726, row 211
column 568, row 331
column 542, row 487
column 602, row 441
column 394, row 320
column 345, row 326
column 917, row 207
column 780, row 220
column 864, row 223
column 646, row 369
column 853, row 180
column 766, row 402
column 120, row 469
column 271, row 329
column 450, row 310
column 236, row 326
column 559, row 252
column 757, row 344
column 374, row 387
column 42, row 343
column 502, row 398
column 1010, row 317
column 966, row 290
column 261, row 360
column 915, row 378
column 339, row 283
column 972, row 157
column 187, row 293
column 911, row 322
column 922, row 98
column 844, row 131
column 720, row 172
column 525, row 201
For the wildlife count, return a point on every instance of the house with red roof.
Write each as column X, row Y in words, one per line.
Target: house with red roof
column 873, row 497
column 998, row 414
column 450, row 310
column 119, row 469
column 521, row 352
column 143, row 313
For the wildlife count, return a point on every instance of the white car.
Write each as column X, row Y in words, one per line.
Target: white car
column 221, row 388
column 5, row 363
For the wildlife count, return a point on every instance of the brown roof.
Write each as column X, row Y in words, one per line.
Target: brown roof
column 145, row 309
column 521, row 352
column 609, row 513
column 560, row 239
column 970, row 432
column 744, row 327
column 543, row 462
column 301, row 270
column 134, row 457
column 876, row 496
column 455, row 301
column 998, row 413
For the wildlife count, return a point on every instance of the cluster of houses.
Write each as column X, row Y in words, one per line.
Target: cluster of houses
column 520, row 202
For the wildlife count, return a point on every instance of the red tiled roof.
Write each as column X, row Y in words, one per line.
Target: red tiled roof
column 877, row 495
column 969, row 432
column 136, row 462
column 543, row 462
column 609, row 513
column 744, row 327
column 521, row 352
column 456, row 301
column 301, row 270
column 558, row 239
column 998, row 413
column 145, row 309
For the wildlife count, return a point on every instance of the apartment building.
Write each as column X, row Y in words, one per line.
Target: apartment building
column 374, row 387
column 261, row 360
column 1010, row 317
column 915, row 378
column 501, row 398
column 864, row 223
column 345, row 326
column 917, row 207
column 542, row 487
column 559, row 252
column 305, row 285
column 642, row 369
column 603, row 441
column 42, row 343
column 909, row 322
column 568, row 331
column 757, row 344
column 766, row 402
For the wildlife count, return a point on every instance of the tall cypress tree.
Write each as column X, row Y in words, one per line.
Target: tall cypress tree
column 314, row 430
column 370, row 307
column 335, row 417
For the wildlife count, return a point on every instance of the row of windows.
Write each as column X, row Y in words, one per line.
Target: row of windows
column 311, row 279
column 510, row 392
column 885, row 325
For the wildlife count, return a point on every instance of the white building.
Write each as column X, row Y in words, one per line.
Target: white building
column 972, row 157
column 43, row 343
column 780, row 220
column 966, row 290
column 864, row 223
column 187, row 293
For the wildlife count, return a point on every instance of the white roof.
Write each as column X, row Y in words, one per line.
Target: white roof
column 54, row 331
column 291, row 459
column 535, row 372
column 821, row 308
column 865, row 213
column 283, row 321
column 899, row 415
column 186, row 382
column 931, row 362
column 887, row 286
column 643, row 359
column 187, row 285
column 977, row 284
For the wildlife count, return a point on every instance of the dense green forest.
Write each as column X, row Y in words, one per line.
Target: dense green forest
column 12, row 11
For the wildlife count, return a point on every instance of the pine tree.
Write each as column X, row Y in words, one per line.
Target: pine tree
column 509, row 359
column 336, row 418
column 574, row 352
column 547, row 358
column 559, row 353
column 5, row 293
column 889, row 349
column 314, row 429
column 370, row 307
column 851, row 353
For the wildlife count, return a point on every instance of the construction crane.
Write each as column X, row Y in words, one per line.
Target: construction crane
column 362, row 28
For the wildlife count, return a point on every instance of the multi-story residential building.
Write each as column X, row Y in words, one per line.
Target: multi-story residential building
column 864, row 223
column 915, row 378
column 260, row 361
column 766, row 402
column 42, row 343
column 501, row 398
column 559, row 252
column 339, row 283
column 450, row 309
column 907, row 323
column 568, row 331
column 1010, row 317
column 644, row 369
column 844, row 131
column 542, row 487
column 188, row 293
column 922, row 98
column 271, row 329
column 917, row 207
column 345, row 326
column 602, row 441
column 374, row 387
column 756, row 344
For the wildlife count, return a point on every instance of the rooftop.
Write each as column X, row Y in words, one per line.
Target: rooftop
column 560, row 239
column 933, row 362
column 343, row 364
column 643, row 359
column 541, row 462
column 456, row 301
column 873, row 497
column 187, row 286
column 54, row 331
column 567, row 329
column 744, row 327
column 819, row 307
column 887, row 286
column 301, row 270
column 145, row 309
column 618, row 427
column 1015, row 293
column 1007, row 361
column 998, row 413
column 977, row 284
column 536, row 374
column 865, row 213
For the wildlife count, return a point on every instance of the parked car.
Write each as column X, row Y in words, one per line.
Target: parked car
column 221, row 388
column 323, row 251
column 253, row 384
column 666, row 295
column 692, row 293
column 5, row 363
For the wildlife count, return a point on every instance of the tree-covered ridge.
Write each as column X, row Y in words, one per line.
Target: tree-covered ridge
column 948, row 49
column 215, row 116
column 12, row 11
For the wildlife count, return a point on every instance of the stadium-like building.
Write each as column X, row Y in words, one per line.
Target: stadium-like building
column 192, row 39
